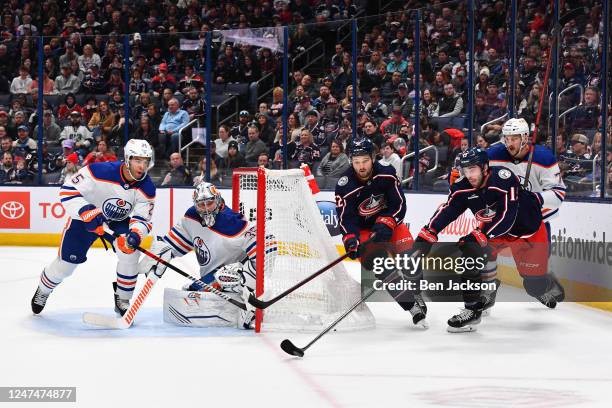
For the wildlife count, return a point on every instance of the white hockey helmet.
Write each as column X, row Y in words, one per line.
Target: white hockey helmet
column 514, row 127
column 204, row 195
column 138, row 148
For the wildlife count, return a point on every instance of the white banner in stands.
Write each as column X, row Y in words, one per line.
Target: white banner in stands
column 581, row 235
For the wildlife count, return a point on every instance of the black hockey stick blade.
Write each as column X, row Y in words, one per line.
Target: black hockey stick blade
column 260, row 304
column 290, row 348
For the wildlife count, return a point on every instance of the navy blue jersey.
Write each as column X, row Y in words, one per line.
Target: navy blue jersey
column 501, row 204
column 358, row 204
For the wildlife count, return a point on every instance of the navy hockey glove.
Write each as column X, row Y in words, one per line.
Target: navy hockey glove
column 351, row 245
column 93, row 219
column 127, row 243
column 383, row 229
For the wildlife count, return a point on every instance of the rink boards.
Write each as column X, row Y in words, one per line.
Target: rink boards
column 581, row 233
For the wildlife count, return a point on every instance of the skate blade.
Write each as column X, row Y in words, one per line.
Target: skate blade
column 486, row 312
column 465, row 329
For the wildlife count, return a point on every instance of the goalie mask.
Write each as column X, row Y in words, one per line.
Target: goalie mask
column 138, row 148
column 516, row 127
column 208, row 202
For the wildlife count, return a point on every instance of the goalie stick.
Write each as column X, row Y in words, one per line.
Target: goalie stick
column 262, row 304
column 127, row 319
column 290, row 348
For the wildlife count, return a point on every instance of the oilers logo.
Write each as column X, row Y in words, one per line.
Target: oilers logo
column 116, row 209
column 201, row 250
column 372, row 205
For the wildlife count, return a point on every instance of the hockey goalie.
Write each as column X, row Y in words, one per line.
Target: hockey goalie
column 225, row 247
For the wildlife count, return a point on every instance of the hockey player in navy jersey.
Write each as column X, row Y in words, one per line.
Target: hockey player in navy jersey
column 370, row 201
column 225, row 247
column 544, row 180
column 509, row 216
column 118, row 194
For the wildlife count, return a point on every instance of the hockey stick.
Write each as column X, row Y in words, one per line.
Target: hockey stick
column 127, row 319
column 290, row 348
column 262, row 304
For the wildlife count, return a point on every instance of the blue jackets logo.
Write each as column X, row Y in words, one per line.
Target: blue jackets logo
column 330, row 218
column 116, row 209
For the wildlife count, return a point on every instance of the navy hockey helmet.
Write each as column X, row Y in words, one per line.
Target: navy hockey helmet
column 361, row 147
column 474, row 156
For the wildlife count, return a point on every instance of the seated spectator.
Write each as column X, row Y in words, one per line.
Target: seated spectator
column 450, row 105
column 588, row 113
column 118, row 131
column 394, row 123
column 263, row 161
column 403, row 100
column 195, row 106
column 215, row 172
column 70, row 168
column 249, row 70
column 67, row 82
column 8, row 172
column 6, row 144
column 142, row 105
column 482, row 111
column 162, row 80
column 173, row 120
column 147, row 130
column 51, row 130
column 276, row 109
column 115, row 83
column 19, row 119
column 102, row 121
column 24, row 143
column 191, row 79
column 266, row 132
column 304, row 108
column 391, row 158
column 267, row 62
column 48, row 84
column 371, row 132
column 75, row 131
column 240, row 131
column 94, row 82
column 101, row 154
column 276, row 151
column 222, row 143
column 335, row 162
column 364, row 78
column 254, row 146
column 178, row 175
column 389, row 90
column 398, row 63
column 138, row 85
column 21, row 84
column 376, row 109
column 482, row 142
column 69, row 105
column 577, row 162
column 306, row 152
column 234, row 158
column 491, row 95
column 88, row 59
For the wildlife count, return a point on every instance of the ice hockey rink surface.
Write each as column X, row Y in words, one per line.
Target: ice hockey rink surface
column 523, row 355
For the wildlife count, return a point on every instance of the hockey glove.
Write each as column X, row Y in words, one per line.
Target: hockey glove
column 351, row 245
column 476, row 236
column 93, row 219
column 383, row 229
column 425, row 240
column 127, row 243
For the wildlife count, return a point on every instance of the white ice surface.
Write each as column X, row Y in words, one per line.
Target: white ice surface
column 522, row 355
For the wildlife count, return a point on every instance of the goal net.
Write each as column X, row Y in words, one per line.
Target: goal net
column 292, row 243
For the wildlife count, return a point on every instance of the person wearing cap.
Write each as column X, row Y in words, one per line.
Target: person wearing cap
column 340, row 80
column 376, row 109
column 75, row 131
column 394, row 123
column 234, row 158
column 569, row 78
column 403, row 100
column 163, row 80
column 239, row 132
column 329, row 122
column 67, row 82
column 577, row 162
column 190, row 79
column 303, row 108
column 316, row 129
column 320, row 101
column 69, row 55
column 24, row 142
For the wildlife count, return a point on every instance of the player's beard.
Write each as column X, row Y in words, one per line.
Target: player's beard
column 364, row 174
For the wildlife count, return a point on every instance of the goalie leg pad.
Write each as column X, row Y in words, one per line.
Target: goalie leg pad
column 198, row 309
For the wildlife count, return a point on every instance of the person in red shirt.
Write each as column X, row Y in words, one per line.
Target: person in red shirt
column 102, row 154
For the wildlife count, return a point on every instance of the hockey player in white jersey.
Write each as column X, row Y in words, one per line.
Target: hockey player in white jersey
column 544, row 180
column 225, row 247
column 118, row 194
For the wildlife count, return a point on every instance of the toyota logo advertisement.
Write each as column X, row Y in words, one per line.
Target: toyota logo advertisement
column 14, row 209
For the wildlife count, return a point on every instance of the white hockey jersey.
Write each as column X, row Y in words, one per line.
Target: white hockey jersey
column 103, row 185
column 230, row 240
column 544, row 178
